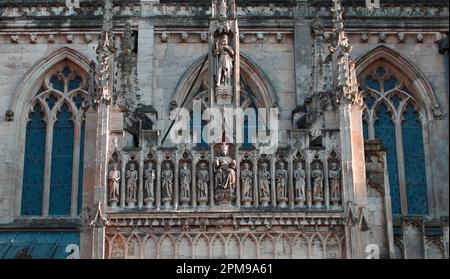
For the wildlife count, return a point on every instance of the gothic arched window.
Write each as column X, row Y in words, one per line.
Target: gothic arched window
column 54, row 145
column 394, row 116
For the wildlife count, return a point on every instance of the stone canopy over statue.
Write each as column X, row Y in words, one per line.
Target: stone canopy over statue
column 225, row 176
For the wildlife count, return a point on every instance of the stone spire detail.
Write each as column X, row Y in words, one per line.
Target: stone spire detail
column 126, row 95
column 346, row 84
column 105, row 60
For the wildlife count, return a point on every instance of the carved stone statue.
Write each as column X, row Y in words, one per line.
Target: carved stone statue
column 300, row 184
column 225, row 175
column 247, row 184
column 166, row 184
column 264, row 184
column 132, row 179
column 185, row 184
column 114, row 184
column 317, row 181
column 281, row 178
column 334, row 176
column 149, row 184
column 225, row 55
column 202, row 184
column 223, row 9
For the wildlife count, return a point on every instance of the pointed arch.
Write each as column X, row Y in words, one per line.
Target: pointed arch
column 26, row 94
column 400, row 106
column 415, row 81
column 264, row 93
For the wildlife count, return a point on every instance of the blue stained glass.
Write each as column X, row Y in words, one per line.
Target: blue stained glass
column 416, row 183
column 81, row 171
column 369, row 100
column 385, row 131
column 373, row 83
column 199, row 131
column 380, row 72
column 395, row 100
column 34, row 163
column 390, row 84
column 365, row 130
column 57, row 83
column 78, row 101
column 51, row 101
column 75, row 83
column 62, row 157
column 66, row 72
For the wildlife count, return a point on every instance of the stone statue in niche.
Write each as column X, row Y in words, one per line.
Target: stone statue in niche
column 300, row 184
column 132, row 179
column 225, row 176
column 114, row 184
column 149, row 184
column 247, row 184
column 202, row 184
column 281, row 179
column 225, row 56
column 264, row 184
column 185, row 184
column 317, row 182
column 166, row 184
column 334, row 176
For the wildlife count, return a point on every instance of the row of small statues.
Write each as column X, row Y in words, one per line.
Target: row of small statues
column 246, row 179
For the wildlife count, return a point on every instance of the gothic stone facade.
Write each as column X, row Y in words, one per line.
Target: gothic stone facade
column 86, row 169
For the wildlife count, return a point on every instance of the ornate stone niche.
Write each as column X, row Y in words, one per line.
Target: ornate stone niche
column 203, row 179
column 224, row 174
column 114, row 179
column 281, row 181
column 132, row 181
column 167, row 182
column 335, row 178
column 150, row 178
column 264, row 180
column 185, row 179
column 317, row 182
column 246, row 180
column 299, row 179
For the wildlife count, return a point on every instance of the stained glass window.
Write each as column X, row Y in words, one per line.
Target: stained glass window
column 393, row 117
column 34, row 163
column 62, row 159
column 59, row 99
column 416, row 185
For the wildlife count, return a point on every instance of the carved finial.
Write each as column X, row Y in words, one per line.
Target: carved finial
column 99, row 220
column 105, row 56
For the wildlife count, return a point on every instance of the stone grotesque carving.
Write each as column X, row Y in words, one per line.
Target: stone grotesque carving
column 225, row 175
column 281, row 178
column 264, row 184
column 132, row 179
column 246, row 184
column 300, row 184
column 202, row 184
column 334, row 176
column 166, row 184
column 114, row 184
column 375, row 173
column 149, row 184
column 185, row 184
column 317, row 182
